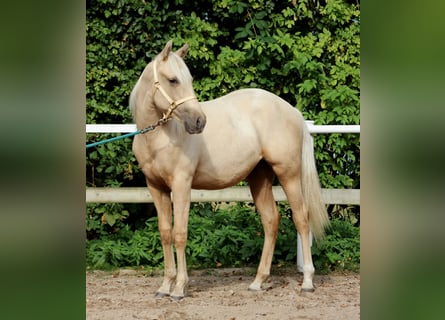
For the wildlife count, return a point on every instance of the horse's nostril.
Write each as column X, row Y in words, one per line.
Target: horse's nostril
column 200, row 123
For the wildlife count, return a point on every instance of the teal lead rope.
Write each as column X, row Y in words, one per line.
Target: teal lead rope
column 166, row 117
column 131, row 134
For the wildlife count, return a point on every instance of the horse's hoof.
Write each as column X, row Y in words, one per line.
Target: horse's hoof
column 177, row 298
column 255, row 288
column 160, row 295
column 307, row 290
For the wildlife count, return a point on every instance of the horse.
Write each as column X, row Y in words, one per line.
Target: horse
column 249, row 134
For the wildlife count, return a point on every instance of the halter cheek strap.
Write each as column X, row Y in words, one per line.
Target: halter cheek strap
column 173, row 104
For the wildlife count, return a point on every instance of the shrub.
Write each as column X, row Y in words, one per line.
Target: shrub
column 340, row 249
column 227, row 237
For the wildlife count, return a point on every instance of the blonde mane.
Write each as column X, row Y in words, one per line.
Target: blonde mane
column 179, row 68
column 132, row 101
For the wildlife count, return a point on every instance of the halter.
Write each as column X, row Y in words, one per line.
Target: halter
column 173, row 104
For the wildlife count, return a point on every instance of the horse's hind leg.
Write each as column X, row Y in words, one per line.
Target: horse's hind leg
column 300, row 215
column 260, row 183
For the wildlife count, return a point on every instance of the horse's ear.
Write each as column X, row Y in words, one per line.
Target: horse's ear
column 183, row 51
column 166, row 51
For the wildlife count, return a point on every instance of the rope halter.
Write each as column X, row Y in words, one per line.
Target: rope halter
column 173, row 104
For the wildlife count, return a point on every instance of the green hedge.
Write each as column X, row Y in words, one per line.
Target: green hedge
column 229, row 237
column 307, row 52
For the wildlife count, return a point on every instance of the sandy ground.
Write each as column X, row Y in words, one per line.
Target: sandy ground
column 222, row 294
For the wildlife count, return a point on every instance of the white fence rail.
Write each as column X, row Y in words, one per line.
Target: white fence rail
column 141, row 194
column 125, row 128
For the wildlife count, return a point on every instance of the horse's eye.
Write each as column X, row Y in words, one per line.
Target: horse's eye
column 173, row 81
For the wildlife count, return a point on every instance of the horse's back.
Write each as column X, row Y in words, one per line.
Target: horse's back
column 270, row 116
column 248, row 97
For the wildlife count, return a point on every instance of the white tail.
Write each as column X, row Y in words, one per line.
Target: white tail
column 318, row 217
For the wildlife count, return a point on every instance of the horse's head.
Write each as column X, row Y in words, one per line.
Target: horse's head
column 174, row 92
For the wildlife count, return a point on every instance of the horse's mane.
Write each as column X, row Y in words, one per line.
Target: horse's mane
column 179, row 68
column 132, row 102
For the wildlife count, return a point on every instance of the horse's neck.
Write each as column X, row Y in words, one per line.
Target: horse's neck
column 146, row 115
column 172, row 131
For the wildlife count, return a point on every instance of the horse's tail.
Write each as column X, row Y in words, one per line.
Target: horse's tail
column 318, row 217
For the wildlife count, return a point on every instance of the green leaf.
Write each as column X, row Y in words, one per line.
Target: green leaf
column 110, row 219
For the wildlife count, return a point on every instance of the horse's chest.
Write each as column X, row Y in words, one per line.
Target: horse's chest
column 157, row 167
column 160, row 166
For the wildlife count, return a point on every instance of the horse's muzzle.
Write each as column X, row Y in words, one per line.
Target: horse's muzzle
column 196, row 126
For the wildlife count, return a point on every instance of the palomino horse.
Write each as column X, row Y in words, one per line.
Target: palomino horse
column 248, row 134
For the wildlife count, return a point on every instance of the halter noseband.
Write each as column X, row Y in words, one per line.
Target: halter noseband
column 173, row 104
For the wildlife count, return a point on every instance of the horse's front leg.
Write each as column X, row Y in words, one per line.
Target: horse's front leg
column 163, row 205
column 181, row 207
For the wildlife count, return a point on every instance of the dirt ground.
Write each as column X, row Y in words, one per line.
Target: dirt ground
column 222, row 294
